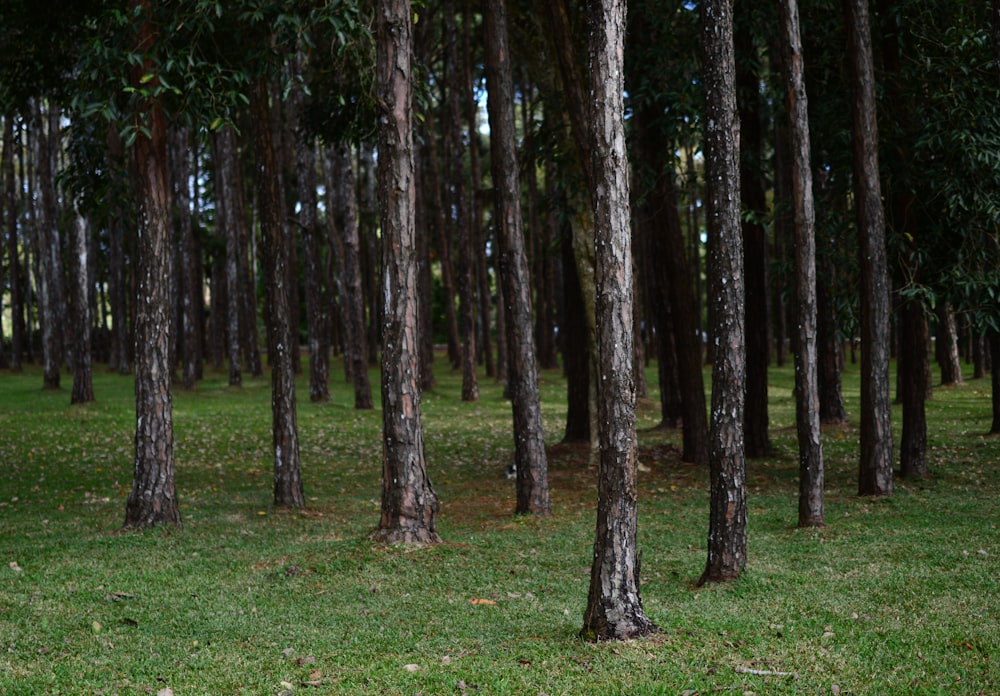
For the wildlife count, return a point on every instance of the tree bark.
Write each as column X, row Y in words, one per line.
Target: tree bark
column 576, row 357
column 17, row 331
column 614, row 606
column 51, row 292
column 727, row 535
column 189, row 276
column 806, row 368
column 118, row 280
column 83, row 383
column 875, row 469
column 913, row 383
column 153, row 499
column 284, row 426
column 529, row 435
column 409, row 503
column 947, row 345
column 225, row 182
column 341, row 180
column 317, row 299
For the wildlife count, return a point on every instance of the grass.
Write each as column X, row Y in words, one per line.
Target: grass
column 893, row 596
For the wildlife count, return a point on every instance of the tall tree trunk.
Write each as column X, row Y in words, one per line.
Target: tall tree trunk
column 806, row 369
column 83, row 383
column 947, row 345
column 576, row 357
column 190, row 278
column 425, row 278
column 153, row 499
column 529, row 435
column 459, row 207
column 875, row 469
column 51, row 294
column 754, row 204
column 614, row 606
column 17, row 331
column 284, row 427
column 341, row 180
column 727, row 534
column 409, row 503
column 912, row 366
column 317, row 315
column 225, row 182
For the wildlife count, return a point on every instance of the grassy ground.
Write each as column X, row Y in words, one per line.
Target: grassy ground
column 893, row 596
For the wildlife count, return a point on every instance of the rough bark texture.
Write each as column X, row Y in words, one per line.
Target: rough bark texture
column 727, row 534
column 806, row 368
column 342, row 180
column 153, row 499
column 754, row 204
column 875, row 469
column 409, row 503
column 946, row 345
column 614, row 607
column 284, row 426
column 189, row 275
column 83, row 383
column 17, row 333
column 913, row 385
column 225, row 181
column 529, row 436
column 576, row 357
column 829, row 350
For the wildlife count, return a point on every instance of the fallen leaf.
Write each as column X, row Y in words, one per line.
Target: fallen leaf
column 96, row 626
column 15, row 567
column 411, row 667
column 481, row 601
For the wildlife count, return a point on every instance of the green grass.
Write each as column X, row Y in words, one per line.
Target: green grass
column 893, row 596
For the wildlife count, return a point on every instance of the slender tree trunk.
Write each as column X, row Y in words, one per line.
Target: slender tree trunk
column 17, row 331
column 317, row 314
column 614, row 607
column 284, row 427
column 153, row 499
column 806, row 368
column 341, row 179
column 225, row 182
column 727, row 535
column 529, row 435
column 425, row 278
column 83, row 384
column 754, row 203
column 51, row 295
column 947, row 345
column 190, row 278
column 875, row 470
column 912, row 366
column 409, row 503
column 576, row 359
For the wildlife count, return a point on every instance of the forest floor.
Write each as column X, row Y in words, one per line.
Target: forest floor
column 894, row 596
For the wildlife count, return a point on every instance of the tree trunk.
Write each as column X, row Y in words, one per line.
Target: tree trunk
column 341, row 180
column 190, row 278
column 806, row 369
column 51, row 293
column 875, row 470
column 409, row 503
column 614, row 607
column 317, row 299
column 947, row 345
column 754, row 204
column 83, row 384
column 912, row 366
column 225, row 182
column 284, row 426
column 829, row 349
column 529, row 435
column 576, row 357
column 16, row 280
column 444, row 243
column 727, row 535
column 459, row 206
column 153, row 499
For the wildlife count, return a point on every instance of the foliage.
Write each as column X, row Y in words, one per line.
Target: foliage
column 894, row 596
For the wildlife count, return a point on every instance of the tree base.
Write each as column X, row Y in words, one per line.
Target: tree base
column 418, row 536
column 636, row 626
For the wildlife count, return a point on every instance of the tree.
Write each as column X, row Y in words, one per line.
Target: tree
column 153, row 498
column 875, row 470
column 83, row 383
column 17, row 333
column 806, row 368
column 529, row 436
column 727, row 534
column 284, row 423
column 409, row 503
column 614, row 607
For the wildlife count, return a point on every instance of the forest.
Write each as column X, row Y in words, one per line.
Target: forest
column 650, row 198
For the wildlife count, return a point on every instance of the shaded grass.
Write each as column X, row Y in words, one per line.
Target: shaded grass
column 893, row 596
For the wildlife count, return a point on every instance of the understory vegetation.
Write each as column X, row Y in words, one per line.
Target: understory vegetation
column 896, row 595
